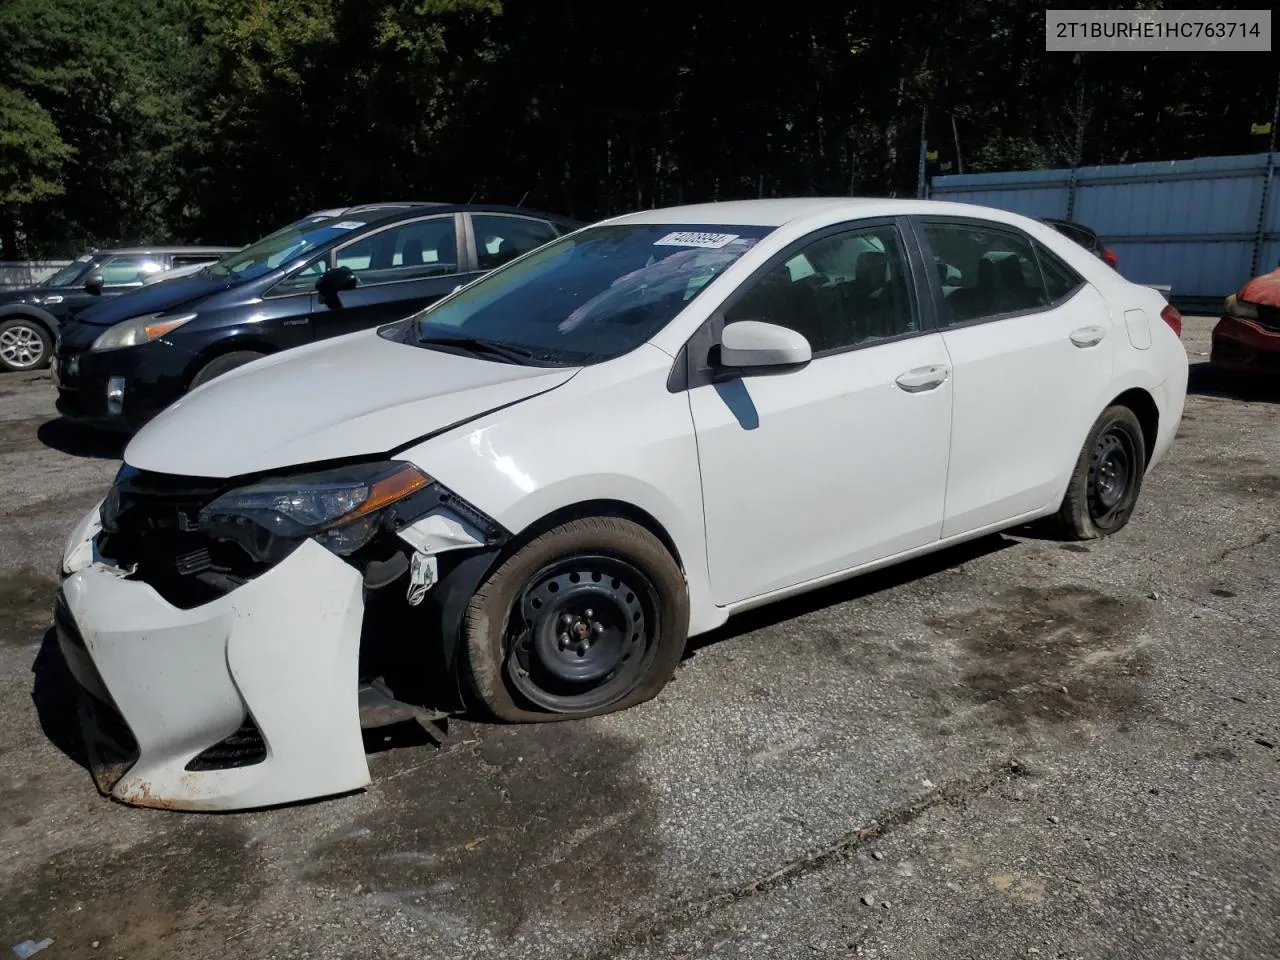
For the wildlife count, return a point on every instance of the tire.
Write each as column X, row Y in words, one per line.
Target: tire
column 25, row 345
column 1107, row 478
column 220, row 365
column 607, row 586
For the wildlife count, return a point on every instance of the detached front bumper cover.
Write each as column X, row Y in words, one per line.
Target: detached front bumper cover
column 279, row 654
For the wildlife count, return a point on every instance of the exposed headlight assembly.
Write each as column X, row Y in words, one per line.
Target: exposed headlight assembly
column 1235, row 307
column 339, row 508
column 139, row 330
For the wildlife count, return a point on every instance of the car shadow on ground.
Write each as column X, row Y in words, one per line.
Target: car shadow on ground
column 1204, row 381
column 80, row 441
column 852, row 589
column 54, row 695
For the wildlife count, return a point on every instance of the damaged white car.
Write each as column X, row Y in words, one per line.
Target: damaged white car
column 525, row 498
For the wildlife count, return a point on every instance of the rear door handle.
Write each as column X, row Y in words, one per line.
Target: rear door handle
column 921, row 379
column 1088, row 336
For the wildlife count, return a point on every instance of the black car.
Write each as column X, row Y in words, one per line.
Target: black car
column 1088, row 238
column 118, row 364
column 29, row 317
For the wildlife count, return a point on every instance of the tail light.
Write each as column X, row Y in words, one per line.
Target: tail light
column 1173, row 318
column 1109, row 255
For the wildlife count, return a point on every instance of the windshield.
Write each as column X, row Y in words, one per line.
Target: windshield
column 282, row 247
column 590, row 296
column 68, row 275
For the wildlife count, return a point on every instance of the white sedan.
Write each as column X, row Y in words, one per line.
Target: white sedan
column 525, row 499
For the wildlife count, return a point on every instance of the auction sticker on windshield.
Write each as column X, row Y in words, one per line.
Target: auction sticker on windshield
column 713, row 240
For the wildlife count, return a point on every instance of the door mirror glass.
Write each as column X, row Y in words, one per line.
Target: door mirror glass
column 334, row 282
column 753, row 345
column 93, row 284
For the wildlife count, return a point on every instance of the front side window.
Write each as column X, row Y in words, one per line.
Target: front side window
column 127, row 270
column 840, row 291
column 985, row 272
column 589, row 296
column 408, row 251
column 68, row 275
column 502, row 239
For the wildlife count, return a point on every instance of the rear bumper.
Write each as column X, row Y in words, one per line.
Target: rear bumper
column 247, row 701
column 1240, row 346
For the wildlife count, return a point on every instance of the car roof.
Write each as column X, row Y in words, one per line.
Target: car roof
column 395, row 210
column 777, row 212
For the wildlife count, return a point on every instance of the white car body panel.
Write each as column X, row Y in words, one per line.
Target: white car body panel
column 765, row 487
column 350, row 396
column 799, row 454
column 283, row 647
column 566, row 447
column 1008, row 458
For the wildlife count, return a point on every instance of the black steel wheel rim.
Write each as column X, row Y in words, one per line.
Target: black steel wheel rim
column 1112, row 475
column 582, row 634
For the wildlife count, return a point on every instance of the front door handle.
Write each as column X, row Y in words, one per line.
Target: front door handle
column 1088, row 336
column 921, row 379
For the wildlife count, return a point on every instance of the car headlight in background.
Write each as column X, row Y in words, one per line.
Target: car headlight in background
column 340, row 508
column 1235, row 307
column 139, row 330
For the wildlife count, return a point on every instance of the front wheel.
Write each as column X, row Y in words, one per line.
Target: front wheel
column 25, row 344
column 588, row 618
column 1107, row 479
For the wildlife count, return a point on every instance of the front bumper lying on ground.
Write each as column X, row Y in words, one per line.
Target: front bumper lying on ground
column 1246, row 347
column 246, row 701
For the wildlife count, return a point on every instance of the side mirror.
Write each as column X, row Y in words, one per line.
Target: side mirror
column 333, row 282
column 93, row 284
column 753, row 346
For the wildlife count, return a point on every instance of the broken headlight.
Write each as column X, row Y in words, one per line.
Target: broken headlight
column 339, row 508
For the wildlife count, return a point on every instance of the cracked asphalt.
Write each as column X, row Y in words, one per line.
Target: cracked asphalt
column 1013, row 748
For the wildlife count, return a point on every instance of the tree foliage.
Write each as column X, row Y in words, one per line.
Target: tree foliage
column 216, row 120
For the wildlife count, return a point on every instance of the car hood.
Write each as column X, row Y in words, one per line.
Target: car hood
column 153, row 298
column 352, row 396
column 1264, row 290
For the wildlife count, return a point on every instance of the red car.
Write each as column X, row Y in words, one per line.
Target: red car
column 1247, row 338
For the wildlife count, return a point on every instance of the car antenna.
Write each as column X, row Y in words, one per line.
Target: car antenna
column 522, row 199
column 473, row 197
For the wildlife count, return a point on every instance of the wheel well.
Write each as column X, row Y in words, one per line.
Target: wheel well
column 35, row 317
column 602, row 508
column 1144, row 408
column 221, row 349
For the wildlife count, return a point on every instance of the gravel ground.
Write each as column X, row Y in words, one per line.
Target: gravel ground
column 1014, row 748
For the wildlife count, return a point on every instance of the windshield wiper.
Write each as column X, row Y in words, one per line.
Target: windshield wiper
column 492, row 348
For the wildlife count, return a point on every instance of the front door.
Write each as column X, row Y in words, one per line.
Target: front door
column 399, row 270
column 841, row 463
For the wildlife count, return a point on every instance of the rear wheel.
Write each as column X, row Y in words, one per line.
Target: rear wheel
column 25, row 344
column 588, row 618
column 1107, row 479
column 220, row 365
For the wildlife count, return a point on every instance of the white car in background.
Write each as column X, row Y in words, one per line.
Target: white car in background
column 533, row 492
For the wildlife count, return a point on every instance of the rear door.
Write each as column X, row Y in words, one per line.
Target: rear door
column 1030, row 343
column 399, row 269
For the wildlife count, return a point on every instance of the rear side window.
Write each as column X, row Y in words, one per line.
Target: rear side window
column 501, row 239
column 984, row 272
column 1060, row 281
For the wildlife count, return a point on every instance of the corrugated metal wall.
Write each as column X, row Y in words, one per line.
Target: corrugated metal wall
column 1195, row 225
